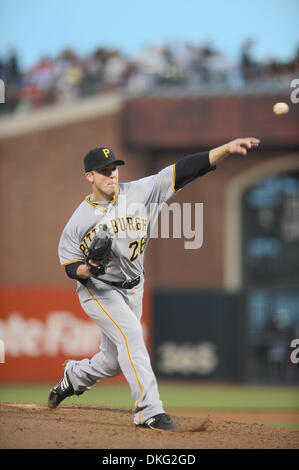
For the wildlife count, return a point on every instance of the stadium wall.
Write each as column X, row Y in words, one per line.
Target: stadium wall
column 42, row 182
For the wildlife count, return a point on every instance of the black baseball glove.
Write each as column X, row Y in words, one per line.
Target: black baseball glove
column 99, row 252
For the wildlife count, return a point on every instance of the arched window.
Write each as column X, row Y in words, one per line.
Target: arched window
column 262, row 260
column 270, row 232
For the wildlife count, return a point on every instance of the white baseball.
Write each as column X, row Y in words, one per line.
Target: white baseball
column 281, row 108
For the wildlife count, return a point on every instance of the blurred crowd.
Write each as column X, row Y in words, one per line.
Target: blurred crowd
column 180, row 66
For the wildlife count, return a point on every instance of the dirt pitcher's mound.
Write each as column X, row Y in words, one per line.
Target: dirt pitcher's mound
column 34, row 426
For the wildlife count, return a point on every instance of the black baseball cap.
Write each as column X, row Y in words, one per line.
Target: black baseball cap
column 99, row 157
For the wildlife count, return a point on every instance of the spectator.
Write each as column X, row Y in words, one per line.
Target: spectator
column 37, row 82
column 249, row 67
column 215, row 67
column 176, row 64
column 11, row 75
column 114, row 70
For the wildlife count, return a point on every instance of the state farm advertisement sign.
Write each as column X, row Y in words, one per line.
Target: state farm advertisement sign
column 41, row 328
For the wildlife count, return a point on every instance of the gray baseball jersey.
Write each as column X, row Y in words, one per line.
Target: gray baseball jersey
column 130, row 218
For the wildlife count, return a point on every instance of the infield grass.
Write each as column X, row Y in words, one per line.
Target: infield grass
column 174, row 396
column 283, row 425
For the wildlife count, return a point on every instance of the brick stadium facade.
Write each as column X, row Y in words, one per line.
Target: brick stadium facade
column 42, row 180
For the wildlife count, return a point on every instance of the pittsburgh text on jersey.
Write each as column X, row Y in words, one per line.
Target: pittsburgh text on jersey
column 118, row 225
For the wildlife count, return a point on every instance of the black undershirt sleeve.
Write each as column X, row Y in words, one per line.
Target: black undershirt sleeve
column 71, row 271
column 191, row 167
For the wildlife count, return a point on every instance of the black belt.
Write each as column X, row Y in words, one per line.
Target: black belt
column 125, row 284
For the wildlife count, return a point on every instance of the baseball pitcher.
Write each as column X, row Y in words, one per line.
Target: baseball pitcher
column 102, row 247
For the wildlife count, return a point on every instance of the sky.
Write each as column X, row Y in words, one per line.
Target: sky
column 38, row 28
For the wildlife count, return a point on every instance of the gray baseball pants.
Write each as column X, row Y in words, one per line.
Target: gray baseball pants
column 118, row 312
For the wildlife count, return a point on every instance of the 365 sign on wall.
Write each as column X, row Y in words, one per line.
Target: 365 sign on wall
column 200, row 335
